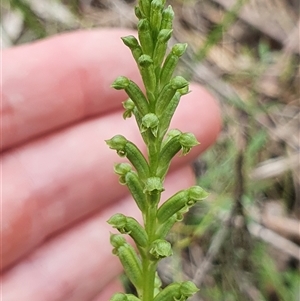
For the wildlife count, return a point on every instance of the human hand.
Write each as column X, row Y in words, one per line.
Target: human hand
column 58, row 182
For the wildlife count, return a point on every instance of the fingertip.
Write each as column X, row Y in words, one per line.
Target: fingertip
column 64, row 79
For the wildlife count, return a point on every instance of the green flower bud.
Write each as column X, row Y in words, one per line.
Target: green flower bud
column 160, row 248
column 133, row 154
column 156, row 15
column 145, row 61
column 133, row 91
column 145, row 6
column 179, row 49
column 184, row 90
column 171, row 62
column 167, row 18
column 134, row 46
column 129, row 259
column 129, row 106
column 179, row 202
column 124, row 297
column 122, row 169
column 138, row 13
column 187, row 141
column 130, row 41
column 130, row 226
column 121, row 82
column 153, row 185
column 177, row 292
column 196, row 193
column 161, row 46
column 168, row 92
column 145, row 37
column 147, row 71
column 117, row 241
column 118, row 221
column 118, row 143
column 178, row 82
column 150, row 122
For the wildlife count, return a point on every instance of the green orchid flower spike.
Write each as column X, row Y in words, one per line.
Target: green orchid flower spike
column 144, row 176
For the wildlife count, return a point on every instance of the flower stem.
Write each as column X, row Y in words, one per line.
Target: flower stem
column 149, row 266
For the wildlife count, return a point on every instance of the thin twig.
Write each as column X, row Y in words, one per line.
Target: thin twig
column 274, row 239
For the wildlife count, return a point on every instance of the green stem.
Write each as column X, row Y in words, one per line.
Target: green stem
column 149, row 266
column 149, row 270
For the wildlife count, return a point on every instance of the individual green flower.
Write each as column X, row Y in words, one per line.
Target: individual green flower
column 150, row 122
column 134, row 46
column 129, row 225
column 129, row 107
column 153, row 185
column 126, row 148
column 187, row 141
column 118, row 143
column 160, row 248
column 122, row 169
column 133, row 91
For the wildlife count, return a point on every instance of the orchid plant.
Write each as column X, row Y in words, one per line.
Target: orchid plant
column 144, row 175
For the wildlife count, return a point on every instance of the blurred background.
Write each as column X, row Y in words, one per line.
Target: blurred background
column 243, row 243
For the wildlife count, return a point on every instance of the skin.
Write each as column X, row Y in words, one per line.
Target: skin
column 58, row 187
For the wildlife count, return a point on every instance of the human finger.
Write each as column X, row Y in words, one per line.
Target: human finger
column 110, row 289
column 52, row 83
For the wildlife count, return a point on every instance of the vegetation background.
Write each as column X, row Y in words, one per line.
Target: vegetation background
column 243, row 243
